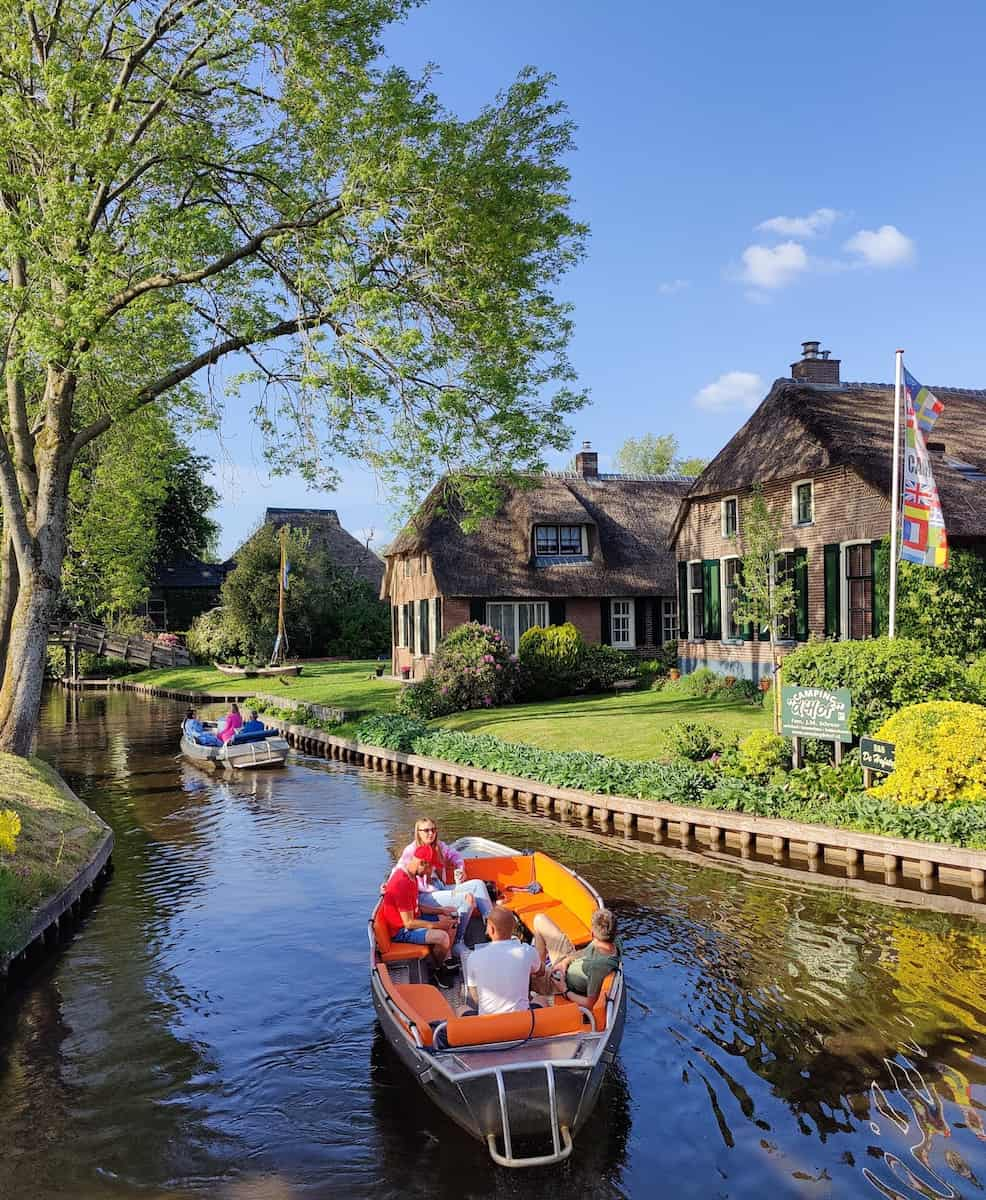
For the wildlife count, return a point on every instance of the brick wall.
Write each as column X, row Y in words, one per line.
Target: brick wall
column 846, row 508
column 584, row 615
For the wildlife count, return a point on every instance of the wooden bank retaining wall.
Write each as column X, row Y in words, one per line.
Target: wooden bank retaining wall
column 901, row 863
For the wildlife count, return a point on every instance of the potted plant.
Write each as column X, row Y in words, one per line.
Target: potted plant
column 674, row 674
column 379, row 669
column 405, row 672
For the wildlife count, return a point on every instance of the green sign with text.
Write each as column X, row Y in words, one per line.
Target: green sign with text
column 876, row 756
column 816, row 713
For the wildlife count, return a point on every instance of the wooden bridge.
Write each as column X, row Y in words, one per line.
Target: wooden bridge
column 77, row 636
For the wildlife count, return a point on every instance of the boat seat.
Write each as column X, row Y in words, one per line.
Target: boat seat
column 419, row 1005
column 511, row 1027
column 562, row 884
column 527, row 907
column 391, row 951
column 599, row 1008
column 515, row 871
column 252, row 735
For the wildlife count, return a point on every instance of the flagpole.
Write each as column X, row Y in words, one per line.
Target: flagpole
column 895, row 495
column 279, row 644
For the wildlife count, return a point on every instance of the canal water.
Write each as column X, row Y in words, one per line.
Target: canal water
column 209, row 1031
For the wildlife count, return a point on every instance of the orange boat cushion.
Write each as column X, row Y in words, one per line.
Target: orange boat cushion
column 562, row 885
column 391, row 951
column 517, row 870
column 418, row 1003
column 514, row 1027
column 527, row 906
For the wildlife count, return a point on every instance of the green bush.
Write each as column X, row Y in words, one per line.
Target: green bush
column 551, row 659
column 215, row 636
column 762, row 754
column 662, row 662
column 472, row 668
column 821, row 793
column 423, row 699
column 602, row 666
column 882, row 675
column 697, row 740
column 977, row 677
column 703, row 683
column 938, row 756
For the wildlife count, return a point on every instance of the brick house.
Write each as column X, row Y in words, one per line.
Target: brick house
column 821, row 450
column 581, row 547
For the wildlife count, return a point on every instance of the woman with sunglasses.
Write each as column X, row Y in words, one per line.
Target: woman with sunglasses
column 447, row 886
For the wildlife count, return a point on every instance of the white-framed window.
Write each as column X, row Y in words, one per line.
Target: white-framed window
column 669, row 620
column 729, row 578
column 783, row 570
column 565, row 540
column 803, row 502
column 408, row 617
column 857, row 590
column 696, row 602
column 436, row 621
column 621, row 624
column 512, row 620
column 730, row 516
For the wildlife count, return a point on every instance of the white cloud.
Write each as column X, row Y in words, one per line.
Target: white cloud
column 802, row 227
column 735, row 390
column 773, row 266
column 671, row 286
column 883, row 247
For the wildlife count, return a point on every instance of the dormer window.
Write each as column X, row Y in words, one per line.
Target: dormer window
column 559, row 540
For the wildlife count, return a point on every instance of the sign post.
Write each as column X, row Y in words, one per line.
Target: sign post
column 877, row 758
column 816, row 713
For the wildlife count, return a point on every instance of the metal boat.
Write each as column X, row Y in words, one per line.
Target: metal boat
column 250, row 749
column 523, row 1083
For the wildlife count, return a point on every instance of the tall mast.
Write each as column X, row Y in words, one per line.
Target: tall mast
column 895, row 497
column 281, row 643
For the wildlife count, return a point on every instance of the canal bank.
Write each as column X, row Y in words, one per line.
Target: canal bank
column 61, row 856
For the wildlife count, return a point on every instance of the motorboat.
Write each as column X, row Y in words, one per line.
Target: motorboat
column 523, row 1083
column 250, row 748
column 284, row 669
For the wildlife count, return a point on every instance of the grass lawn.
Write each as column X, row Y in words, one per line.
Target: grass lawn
column 626, row 725
column 57, row 838
column 350, row 685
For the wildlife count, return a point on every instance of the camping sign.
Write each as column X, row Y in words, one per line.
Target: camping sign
column 817, row 713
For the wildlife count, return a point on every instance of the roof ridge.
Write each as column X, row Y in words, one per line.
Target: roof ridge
column 667, row 477
column 860, row 385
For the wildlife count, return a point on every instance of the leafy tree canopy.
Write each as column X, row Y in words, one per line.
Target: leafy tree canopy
column 184, row 182
column 655, row 454
column 944, row 610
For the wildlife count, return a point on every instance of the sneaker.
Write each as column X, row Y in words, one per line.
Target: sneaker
column 446, row 980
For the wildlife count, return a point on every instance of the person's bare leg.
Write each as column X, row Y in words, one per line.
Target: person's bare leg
column 437, row 941
column 550, row 941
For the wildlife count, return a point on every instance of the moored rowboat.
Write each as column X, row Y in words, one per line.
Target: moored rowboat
column 246, row 750
column 529, row 1077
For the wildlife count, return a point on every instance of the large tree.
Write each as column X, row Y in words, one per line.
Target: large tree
column 655, row 454
column 184, row 182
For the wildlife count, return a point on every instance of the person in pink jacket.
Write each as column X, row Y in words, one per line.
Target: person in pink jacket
column 230, row 724
column 447, row 884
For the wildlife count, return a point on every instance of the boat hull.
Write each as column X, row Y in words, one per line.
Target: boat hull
column 271, row 752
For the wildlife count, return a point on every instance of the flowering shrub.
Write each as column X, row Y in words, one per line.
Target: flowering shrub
column 168, row 639
column 472, row 668
column 10, row 827
column 938, row 756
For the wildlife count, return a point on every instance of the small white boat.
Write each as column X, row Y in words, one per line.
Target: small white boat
column 530, row 1077
column 248, row 749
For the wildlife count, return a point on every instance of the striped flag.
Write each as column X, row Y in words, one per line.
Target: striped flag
column 923, row 539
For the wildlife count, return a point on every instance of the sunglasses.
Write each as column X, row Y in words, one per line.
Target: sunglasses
column 428, row 829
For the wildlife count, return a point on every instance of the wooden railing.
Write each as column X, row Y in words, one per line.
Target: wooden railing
column 145, row 651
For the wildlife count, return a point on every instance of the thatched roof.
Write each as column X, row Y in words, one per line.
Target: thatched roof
column 326, row 532
column 189, row 572
column 629, row 521
column 801, row 428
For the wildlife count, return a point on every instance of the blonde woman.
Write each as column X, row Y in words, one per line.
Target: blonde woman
column 446, row 885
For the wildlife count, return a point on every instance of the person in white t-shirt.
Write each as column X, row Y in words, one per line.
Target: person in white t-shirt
column 498, row 975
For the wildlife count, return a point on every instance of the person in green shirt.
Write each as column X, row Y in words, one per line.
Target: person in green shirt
column 576, row 974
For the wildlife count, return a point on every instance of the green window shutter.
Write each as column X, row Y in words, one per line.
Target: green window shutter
column 801, row 595
column 711, row 598
column 683, row 600
column 833, row 590
column 556, row 612
column 477, row 611
column 881, row 620
column 605, row 622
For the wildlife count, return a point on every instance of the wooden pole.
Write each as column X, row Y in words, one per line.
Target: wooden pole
column 280, row 645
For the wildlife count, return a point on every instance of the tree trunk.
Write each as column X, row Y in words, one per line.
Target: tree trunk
column 9, row 583
column 20, row 695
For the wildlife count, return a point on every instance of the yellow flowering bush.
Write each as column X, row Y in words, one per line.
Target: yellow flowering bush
column 10, row 827
column 939, row 754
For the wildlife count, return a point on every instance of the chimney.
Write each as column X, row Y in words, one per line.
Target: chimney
column 587, row 461
column 816, row 366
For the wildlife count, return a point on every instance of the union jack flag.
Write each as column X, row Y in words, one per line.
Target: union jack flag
column 916, row 493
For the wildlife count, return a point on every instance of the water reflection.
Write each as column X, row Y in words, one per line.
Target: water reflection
column 210, row 1031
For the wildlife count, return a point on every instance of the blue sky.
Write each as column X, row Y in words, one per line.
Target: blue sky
column 753, row 177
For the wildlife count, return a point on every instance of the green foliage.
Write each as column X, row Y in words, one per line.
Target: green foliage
column 472, row 668
column 600, row 667
column 703, row 683
column 763, row 598
column 655, row 454
column 763, row 753
column 551, row 659
column 697, row 740
column 423, row 699
column 977, row 678
column 215, row 637
column 945, row 610
column 328, row 611
column 882, row 675
column 938, row 756
column 818, row 794
column 657, row 668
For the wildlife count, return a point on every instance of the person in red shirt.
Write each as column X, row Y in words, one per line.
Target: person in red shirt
column 401, row 911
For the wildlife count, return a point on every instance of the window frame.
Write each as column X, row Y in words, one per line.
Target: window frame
column 845, row 617
column 780, row 632
column 558, row 552
column 724, row 600
column 669, row 619
column 631, row 618
column 796, row 523
column 515, row 605
column 734, row 500
column 694, row 592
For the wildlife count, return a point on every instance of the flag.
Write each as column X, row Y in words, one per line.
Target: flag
column 923, row 537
